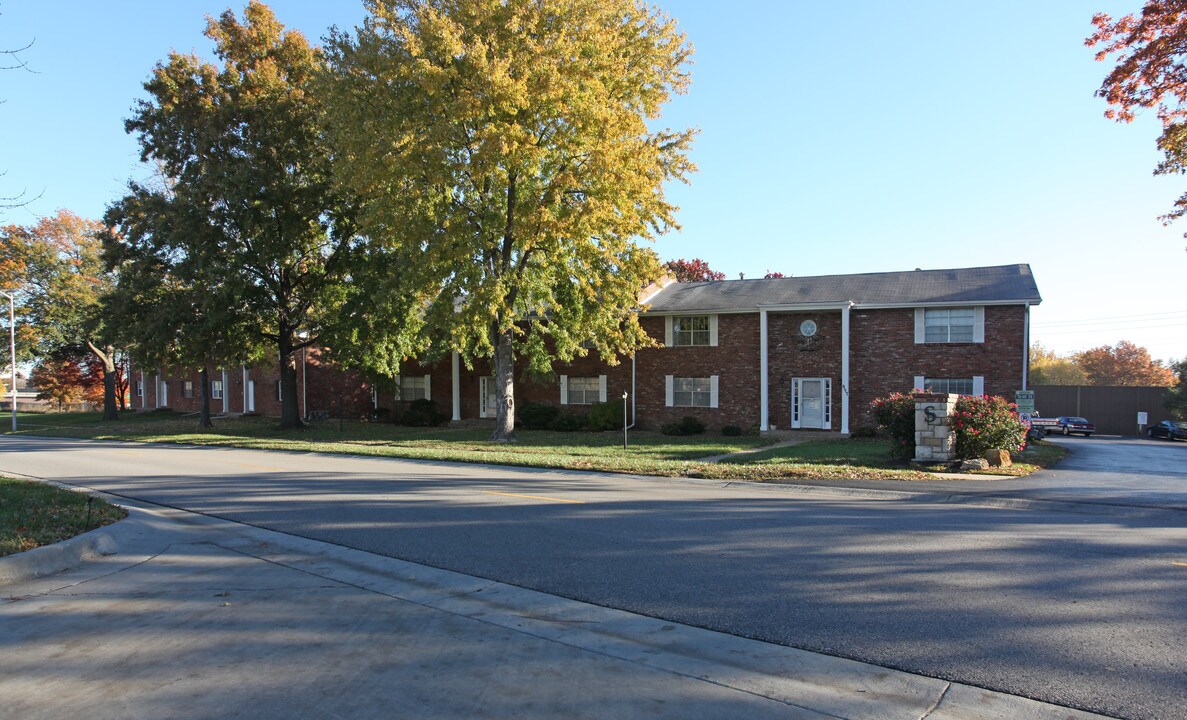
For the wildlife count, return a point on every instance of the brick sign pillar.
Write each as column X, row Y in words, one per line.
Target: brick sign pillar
column 935, row 440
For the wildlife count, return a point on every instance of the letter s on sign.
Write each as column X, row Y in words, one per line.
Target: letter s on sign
column 930, row 414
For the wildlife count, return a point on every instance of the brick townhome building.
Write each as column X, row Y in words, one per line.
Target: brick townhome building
column 778, row 353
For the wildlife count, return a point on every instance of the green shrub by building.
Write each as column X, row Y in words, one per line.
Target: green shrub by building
column 895, row 414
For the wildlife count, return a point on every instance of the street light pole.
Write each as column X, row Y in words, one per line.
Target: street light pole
column 12, row 352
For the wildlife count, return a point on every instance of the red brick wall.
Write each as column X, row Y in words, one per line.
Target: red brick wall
column 883, row 359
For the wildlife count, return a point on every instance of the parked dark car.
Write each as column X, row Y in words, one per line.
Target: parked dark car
column 1169, row 429
column 1069, row 425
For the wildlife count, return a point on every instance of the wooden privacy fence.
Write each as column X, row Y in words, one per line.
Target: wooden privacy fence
column 1114, row 409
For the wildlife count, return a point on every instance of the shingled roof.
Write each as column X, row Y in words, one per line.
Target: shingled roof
column 991, row 285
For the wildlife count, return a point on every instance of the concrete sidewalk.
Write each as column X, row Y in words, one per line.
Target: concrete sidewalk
column 201, row 618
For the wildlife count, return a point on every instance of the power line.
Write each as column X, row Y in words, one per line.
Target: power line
column 1172, row 315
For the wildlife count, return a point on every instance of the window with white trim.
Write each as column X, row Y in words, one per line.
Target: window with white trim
column 139, row 388
column 584, row 390
column 692, row 392
column 216, row 389
column 187, row 388
column 948, row 325
column 691, row 331
column 414, row 387
column 958, row 386
column 279, row 390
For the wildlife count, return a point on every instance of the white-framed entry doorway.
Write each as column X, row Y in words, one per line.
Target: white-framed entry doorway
column 811, row 403
column 249, row 397
column 486, row 398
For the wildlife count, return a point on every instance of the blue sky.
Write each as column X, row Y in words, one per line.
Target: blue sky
column 837, row 137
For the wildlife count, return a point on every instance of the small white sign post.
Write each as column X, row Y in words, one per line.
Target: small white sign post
column 1143, row 419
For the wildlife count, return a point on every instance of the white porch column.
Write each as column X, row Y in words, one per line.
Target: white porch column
column 244, row 387
column 845, row 368
column 143, row 392
column 457, row 386
column 226, row 395
column 763, row 402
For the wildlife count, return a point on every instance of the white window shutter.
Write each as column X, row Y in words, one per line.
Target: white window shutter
column 564, row 389
column 668, row 331
column 713, row 389
column 828, row 404
column 397, row 396
column 601, row 388
column 428, row 388
column 979, row 324
column 920, row 382
column 920, row 334
column 713, row 332
column 795, row 403
column 978, row 385
column 669, row 391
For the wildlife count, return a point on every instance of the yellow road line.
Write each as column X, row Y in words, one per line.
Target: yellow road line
column 534, row 497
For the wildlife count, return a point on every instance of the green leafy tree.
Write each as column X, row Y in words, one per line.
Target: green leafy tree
column 241, row 141
column 56, row 270
column 1176, row 397
column 167, row 307
column 503, row 149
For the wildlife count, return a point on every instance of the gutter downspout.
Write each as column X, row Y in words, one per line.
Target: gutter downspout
column 1026, row 347
column 764, row 404
column 845, row 368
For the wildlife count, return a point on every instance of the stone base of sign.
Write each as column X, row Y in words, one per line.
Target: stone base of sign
column 935, row 440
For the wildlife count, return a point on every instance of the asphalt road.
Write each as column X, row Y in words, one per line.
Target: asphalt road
column 1085, row 610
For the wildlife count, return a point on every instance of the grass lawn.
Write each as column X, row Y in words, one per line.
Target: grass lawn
column 648, row 453
column 34, row 514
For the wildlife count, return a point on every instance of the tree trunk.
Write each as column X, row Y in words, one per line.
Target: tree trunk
column 289, row 413
column 107, row 357
column 504, row 389
column 204, row 414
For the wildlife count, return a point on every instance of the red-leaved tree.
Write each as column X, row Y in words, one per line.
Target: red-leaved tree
column 695, row 270
column 1151, row 72
column 1124, row 364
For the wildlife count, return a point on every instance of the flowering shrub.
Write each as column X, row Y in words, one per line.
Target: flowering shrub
column 986, row 423
column 895, row 414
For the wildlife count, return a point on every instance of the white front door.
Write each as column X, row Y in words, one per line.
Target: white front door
column 811, row 400
column 486, row 398
column 251, row 396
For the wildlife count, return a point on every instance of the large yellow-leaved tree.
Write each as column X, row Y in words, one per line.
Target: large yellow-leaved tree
column 509, row 155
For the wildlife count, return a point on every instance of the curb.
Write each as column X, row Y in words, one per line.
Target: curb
column 51, row 559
